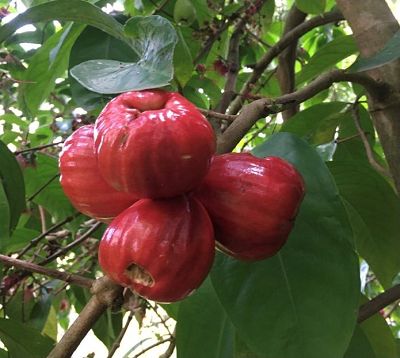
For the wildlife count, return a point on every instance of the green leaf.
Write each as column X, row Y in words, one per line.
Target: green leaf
column 13, row 184
column 311, row 6
column 19, row 238
column 183, row 68
column 22, row 340
column 94, row 44
column 153, row 39
column 316, row 124
column 389, row 53
column 380, row 337
column 201, row 319
column 274, row 303
column 4, row 217
column 65, row 10
column 52, row 197
column 327, row 57
column 374, row 215
column 359, row 346
column 49, row 62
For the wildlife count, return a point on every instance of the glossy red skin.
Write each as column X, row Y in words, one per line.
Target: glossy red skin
column 171, row 239
column 252, row 202
column 153, row 143
column 82, row 182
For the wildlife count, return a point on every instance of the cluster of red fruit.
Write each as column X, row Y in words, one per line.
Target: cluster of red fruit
column 144, row 167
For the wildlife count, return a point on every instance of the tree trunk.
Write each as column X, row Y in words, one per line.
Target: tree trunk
column 373, row 24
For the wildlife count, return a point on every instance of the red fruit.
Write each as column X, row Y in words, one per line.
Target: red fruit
column 161, row 249
column 153, row 143
column 82, row 182
column 252, row 203
column 221, row 67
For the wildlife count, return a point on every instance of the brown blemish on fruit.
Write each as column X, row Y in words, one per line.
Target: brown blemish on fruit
column 139, row 275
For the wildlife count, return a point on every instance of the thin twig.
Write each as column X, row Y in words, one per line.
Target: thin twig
column 37, row 239
column 222, row 116
column 254, row 135
column 276, row 49
column 368, row 150
column 376, row 304
column 71, row 245
column 37, row 192
column 171, row 347
column 121, row 335
column 152, row 346
column 60, row 275
column 37, row 148
column 160, row 317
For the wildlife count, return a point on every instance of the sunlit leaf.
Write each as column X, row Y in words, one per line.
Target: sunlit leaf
column 153, row 39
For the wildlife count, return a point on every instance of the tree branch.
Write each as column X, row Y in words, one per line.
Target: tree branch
column 71, row 245
column 121, row 335
column 217, row 115
column 234, row 60
column 37, row 148
column 368, row 150
column 287, row 59
column 59, row 275
column 105, row 293
column 262, row 107
column 373, row 306
column 275, row 50
column 208, row 44
column 37, row 239
column 44, row 186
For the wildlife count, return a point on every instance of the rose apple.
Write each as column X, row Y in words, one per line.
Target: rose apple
column 161, row 249
column 252, row 203
column 153, row 143
column 82, row 182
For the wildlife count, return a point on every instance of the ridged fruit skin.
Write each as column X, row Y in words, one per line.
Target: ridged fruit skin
column 82, row 182
column 171, row 239
column 153, row 143
column 252, row 203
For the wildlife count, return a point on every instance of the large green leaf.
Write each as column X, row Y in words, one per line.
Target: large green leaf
column 65, row 10
column 327, row 57
column 94, row 44
column 13, row 184
column 153, row 39
column 311, row 6
column 49, row 62
column 19, row 238
column 359, row 346
column 183, row 69
column 201, row 319
column 380, row 337
column 389, row 53
column 303, row 301
column 22, row 340
column 316, row 124
column 52, row 197
column 374, row 215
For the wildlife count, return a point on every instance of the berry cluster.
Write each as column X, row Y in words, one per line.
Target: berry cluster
column 147, row 167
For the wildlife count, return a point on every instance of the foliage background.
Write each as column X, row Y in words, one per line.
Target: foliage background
column 302, row 302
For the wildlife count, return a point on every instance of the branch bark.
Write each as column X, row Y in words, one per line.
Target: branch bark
column 275, row 50
column 287, row 60
column 60, row 275
column 105, row 293
column 373, row 306
column 262, row 107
